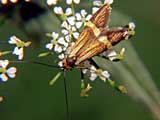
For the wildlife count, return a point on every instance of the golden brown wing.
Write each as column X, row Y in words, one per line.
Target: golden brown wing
column 85, row 37
column 101, row 17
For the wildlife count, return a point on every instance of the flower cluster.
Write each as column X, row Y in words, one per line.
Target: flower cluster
column 6, row 72
column 18, row 50
column 72, row 23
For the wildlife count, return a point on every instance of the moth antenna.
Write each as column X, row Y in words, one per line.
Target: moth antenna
column 66, row 96
column 36, row 62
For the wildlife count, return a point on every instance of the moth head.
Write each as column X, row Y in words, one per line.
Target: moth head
column 68, row 63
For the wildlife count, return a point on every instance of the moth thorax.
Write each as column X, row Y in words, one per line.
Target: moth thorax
column 94, row 28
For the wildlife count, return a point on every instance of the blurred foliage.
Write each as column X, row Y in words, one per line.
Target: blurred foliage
column 29, row 96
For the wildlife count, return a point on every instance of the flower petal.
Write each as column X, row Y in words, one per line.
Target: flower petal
column 69, row 2
column 49, row 46
column 93, row 76
column 105, row 74
column 3, row 77
column 94, row 9
column 64, row 31
column 79, row 24
column 52, row 2
column 55, row 35
column 76, row 1
column 78, row 16
column 71, row 20
column 61, row 41
column 57, row 48
column 4, row 63
column 58, row 10
column 68, row 11
column 76, row 35
column 108, row 1
column 83, row 13
column 61, row 56
column 11, row 72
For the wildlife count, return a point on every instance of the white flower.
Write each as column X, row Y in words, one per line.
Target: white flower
column 52, row 2
column 95, row 9
column 19, row 52
column 84, row 71
column 69, row 31
column 4, row 63
column 62, row 41
column 82, row 18
column 68, row 12
column 111, row 54
column 53, row 41
column 94, row 73
column 97, row 4
column 58, row 48
column 49, row 46
column 104, row 75
column 60, row 64
column 61, row 56
column 93, row 76
column 11, row 72
column 19, row 49
column 58, row 10
column 71, row 20
column 55, row 35
column 69, row 2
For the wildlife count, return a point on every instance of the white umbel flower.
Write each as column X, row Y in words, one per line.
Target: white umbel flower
column 53, row 41
column 4, row 72
column 19, row 52
column 19, row 49
column 82, row 18
column 69, row 30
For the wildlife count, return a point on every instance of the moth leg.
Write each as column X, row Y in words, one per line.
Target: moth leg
column 113, row 56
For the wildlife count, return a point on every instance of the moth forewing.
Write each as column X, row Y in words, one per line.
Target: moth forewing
column 99, row 19
column 85, row 37
column 95, row 38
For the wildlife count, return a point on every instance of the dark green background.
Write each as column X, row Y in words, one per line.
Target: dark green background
column 29, row 96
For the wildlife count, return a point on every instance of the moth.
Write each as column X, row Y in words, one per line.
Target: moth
column 96, row 38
